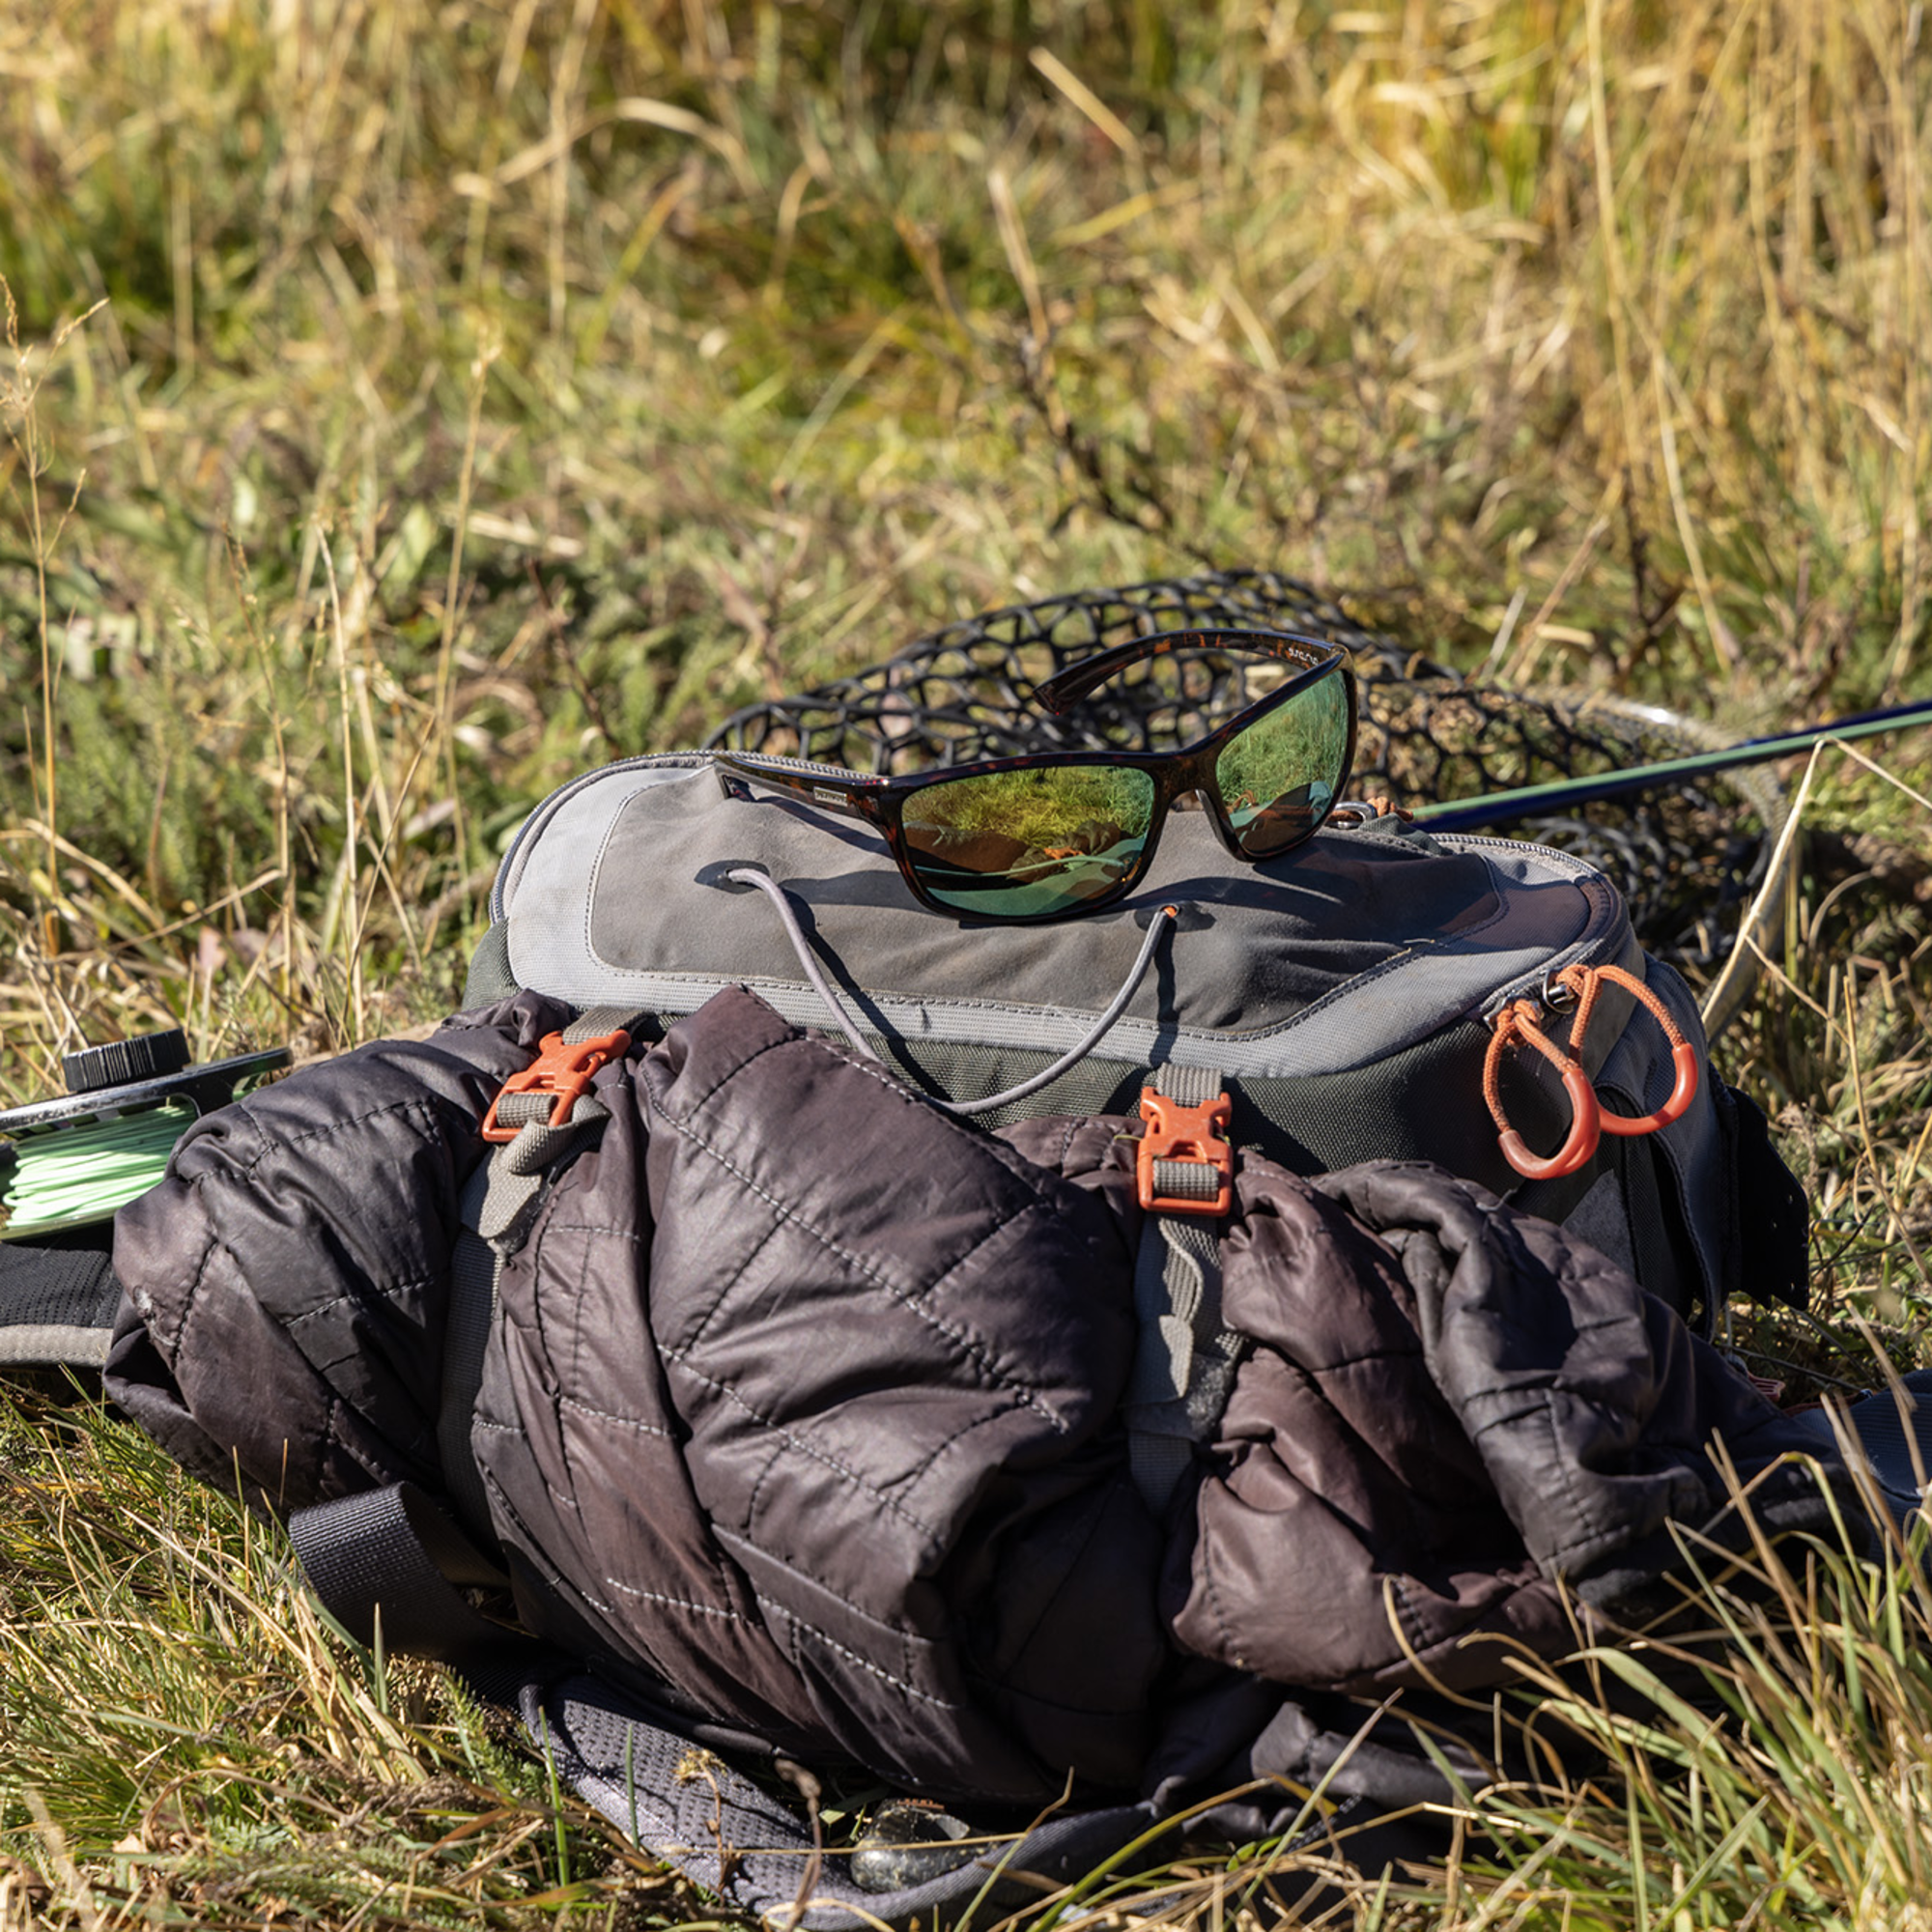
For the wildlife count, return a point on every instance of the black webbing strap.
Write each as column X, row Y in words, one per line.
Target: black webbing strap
column 57, row 1305
column 1893, row 1426
column 392, row 1555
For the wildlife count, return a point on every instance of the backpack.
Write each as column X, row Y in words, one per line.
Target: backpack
column 1377, row 993
column 1374, row 994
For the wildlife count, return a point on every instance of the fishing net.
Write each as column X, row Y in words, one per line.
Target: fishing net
column 1689, row 859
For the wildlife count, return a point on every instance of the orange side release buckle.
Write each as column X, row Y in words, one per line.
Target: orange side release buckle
column 559, row 1071
column 1192, row 1137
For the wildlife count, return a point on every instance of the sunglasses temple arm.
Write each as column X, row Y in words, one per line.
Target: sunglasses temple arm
column 1062, row 692
column 1059, row 694
column 827, row 796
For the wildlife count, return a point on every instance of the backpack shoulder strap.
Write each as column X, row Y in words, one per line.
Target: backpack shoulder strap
column 532, row 1128
column 389, row 1564
column 1186, row 1356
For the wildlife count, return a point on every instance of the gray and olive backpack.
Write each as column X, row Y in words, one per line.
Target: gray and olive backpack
column 1347, row 999
column 1346, row 996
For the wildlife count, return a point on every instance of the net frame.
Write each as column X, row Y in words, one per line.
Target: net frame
column 1689, row 859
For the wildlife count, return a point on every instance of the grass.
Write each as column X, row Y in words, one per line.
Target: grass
column 405, row 405
column 183, row 1723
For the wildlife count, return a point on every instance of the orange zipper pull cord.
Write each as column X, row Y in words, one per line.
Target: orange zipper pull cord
column 1518, row 1021
column 1682, row 1055
column 1588, row 1121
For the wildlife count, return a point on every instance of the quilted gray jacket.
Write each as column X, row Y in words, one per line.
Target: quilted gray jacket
column 802, row 1403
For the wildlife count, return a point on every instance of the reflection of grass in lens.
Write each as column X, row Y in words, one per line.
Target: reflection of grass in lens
column 1289, row 749
column 1039, row 808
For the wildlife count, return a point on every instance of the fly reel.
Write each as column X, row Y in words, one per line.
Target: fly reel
column 70, row 1162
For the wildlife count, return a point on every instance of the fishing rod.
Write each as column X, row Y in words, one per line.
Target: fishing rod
column 1503, row 808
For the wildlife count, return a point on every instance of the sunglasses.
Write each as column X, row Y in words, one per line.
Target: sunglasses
column 1050, row 833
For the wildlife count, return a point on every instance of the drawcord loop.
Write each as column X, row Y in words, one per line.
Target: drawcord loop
column 1161, row 922
column 1683, row 1058
column 750, row 875
column 1157, row 927
column 1588, row 1118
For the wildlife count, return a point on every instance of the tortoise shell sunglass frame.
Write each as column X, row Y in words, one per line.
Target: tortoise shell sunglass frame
column 995, row 870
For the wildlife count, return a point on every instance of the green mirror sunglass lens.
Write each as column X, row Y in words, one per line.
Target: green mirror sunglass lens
column 1011, row 844
column 1279, row 778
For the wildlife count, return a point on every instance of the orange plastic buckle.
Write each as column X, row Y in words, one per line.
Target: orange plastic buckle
column 1190, row 1134
column 560, row 1071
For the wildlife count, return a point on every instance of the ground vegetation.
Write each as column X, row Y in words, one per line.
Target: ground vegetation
column 406, row 404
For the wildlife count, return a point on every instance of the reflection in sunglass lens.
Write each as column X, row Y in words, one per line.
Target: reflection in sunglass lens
column 1280, row 776
column 1014, row 843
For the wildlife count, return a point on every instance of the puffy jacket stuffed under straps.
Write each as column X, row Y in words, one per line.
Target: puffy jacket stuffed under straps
column 804, row 1399
column 1452, row 1415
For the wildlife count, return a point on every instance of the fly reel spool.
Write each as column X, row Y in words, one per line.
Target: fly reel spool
column 70, row 1163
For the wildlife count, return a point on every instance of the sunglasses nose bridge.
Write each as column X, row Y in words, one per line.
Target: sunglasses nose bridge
column 1195, row 777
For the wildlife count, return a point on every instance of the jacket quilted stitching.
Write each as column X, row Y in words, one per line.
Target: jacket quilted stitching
column 801, row 1401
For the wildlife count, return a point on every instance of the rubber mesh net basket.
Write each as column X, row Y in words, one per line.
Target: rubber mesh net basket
column 1689, row 859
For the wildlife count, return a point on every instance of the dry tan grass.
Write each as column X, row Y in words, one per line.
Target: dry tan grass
column 410, row 404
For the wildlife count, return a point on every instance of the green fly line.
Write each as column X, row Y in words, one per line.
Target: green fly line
column 67, row 1177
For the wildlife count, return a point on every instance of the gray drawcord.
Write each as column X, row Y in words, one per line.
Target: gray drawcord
column 1157, row 926
column 1074, row 1055
column 748, row 875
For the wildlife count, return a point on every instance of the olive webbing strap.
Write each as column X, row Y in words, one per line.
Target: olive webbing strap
column 1186, row 1357
column 497, row 1207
